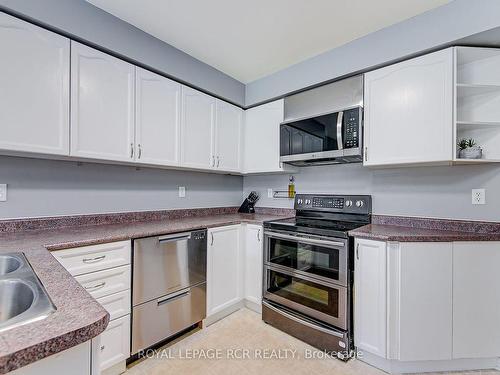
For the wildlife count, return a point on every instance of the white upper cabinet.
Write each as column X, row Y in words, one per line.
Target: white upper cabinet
column 197, row 129
column 102, row 105
column 158, row 116
column 34, row 88
column 408, row 111
column 228, row 137
column 261, row 138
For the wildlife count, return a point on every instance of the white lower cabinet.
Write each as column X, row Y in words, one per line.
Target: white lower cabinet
column 114, row 343
column 74, row 361
column 419, row 315
column 224, row 284
column 422, row 306
column 253, row 252
column 234, row 269
column 476, row 299
column 370, row 298
column 104, row 271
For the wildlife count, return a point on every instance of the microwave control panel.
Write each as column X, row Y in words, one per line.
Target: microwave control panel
column 352, row 119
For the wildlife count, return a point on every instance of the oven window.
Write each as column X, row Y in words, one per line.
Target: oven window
column 315, row 296
column 314, row 259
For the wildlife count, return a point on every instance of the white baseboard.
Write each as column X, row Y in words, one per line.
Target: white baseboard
column 116, row 369
column 402, row 367
column 254, row 306
column 211, row 319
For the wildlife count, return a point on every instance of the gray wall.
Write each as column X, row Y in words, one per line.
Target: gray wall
column 434, row 29
column 83, row 21
column 443, row 192
column 48, row 188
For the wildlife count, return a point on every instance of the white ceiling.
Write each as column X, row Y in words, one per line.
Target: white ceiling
column 249, row 39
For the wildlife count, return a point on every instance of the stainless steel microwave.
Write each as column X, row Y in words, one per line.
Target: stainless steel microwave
column 329, row 138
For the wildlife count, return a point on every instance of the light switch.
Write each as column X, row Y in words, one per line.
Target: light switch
column 182, row 191
column 3, row 192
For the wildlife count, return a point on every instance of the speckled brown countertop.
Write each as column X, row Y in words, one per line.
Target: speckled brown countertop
column 407, row 229
column 79, row 317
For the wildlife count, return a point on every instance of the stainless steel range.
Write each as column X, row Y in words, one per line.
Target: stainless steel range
column 308, row 270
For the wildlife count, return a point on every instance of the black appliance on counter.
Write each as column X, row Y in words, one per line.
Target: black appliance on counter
column 248, row 206
column 309, row 270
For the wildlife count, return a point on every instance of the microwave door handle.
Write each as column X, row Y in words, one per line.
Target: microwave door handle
column 340, row 142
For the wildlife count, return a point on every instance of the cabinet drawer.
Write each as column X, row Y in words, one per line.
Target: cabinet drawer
column 81, row 260
column 114, row 342
column 104, row 283
column 117, row 304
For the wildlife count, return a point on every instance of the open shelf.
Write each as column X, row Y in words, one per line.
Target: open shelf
column 471, row 89
column 479, row 123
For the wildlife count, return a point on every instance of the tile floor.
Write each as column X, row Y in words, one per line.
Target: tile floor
column 245, row 330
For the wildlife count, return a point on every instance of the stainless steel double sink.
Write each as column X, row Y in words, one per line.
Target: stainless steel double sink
column 23, row 298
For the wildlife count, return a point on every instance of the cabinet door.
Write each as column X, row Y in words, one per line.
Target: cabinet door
column 223, row 268
column 114, row 343
column 408, row 111
column 253, row 263
column 261, row 138
column 370, row 298
column 476, row 299
column 228, row 137
column 102, row 105
column 157, row 126
column 74, row 361
column 34, row 88
column 197, row 129
column 420, row 304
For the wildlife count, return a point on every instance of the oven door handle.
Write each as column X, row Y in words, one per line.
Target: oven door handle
column 301, row 321
column 312, row 241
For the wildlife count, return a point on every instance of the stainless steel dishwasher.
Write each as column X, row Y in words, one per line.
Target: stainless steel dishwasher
column 169, row 286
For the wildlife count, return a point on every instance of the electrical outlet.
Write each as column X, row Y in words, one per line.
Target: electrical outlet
column 269, row 193
column 478, row 196
column 3, row 192
column 182, row 191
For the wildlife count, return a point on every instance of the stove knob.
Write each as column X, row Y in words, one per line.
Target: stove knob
column 348, row 203
column 299, row 201
column 360, row 204
column 308, row 201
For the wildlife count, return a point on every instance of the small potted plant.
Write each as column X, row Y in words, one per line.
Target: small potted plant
column 469, row 150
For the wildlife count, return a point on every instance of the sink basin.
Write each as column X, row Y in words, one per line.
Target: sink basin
column 16, row 297
column 9, row 264
column 23, row 298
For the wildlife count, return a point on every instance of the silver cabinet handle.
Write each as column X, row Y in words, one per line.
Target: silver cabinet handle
column 212, row 239
column 93, row 260
column 131, row 150
column 340, row 143
column 98, row 286
column 258, row 235
column 366, row 153
column 357, row 251
column 212, row 164
column 140, row 151
column 218, row 161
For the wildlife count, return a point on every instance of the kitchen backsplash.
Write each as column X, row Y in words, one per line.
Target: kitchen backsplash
column 440, row 192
